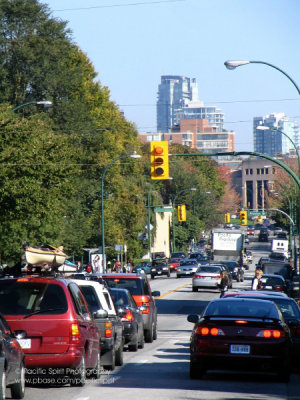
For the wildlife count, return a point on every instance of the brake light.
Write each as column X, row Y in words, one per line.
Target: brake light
column 269, row 333
column 240, row 321
column 217, row 277
column 205, row 331
column 128, row 316
column 108, row 329
column 74, row 333
column 279, row 288
column 22, row 280
column 116, row 280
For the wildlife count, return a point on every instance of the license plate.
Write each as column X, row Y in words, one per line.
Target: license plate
column 159, row 272
column 25, row 343
column 239, row 349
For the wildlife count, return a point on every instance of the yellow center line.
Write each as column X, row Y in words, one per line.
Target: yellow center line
column 172, row 291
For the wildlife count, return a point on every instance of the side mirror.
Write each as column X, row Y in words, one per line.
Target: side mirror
column 100, row 314
column 20, row 334
column 193, row 318
column 156, row 293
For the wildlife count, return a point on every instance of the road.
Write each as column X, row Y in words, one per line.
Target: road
column 161, row 370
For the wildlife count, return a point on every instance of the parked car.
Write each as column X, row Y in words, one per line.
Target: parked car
column 108, row 321
column 139, row 288
column 237, row 271
column 143, row 267
column 160, row 267
column 12, row 365
column 207, row 276
column 174, row 263
column 187, row 268
column 61, row 332
column 231, row 330
column 131, row 317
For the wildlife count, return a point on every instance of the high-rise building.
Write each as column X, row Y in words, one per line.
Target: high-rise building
column 173, row 92
column 271, row 142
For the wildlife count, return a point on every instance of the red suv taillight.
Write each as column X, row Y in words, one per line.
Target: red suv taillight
column 108, row 329
column 74, row 333
column 128, row 316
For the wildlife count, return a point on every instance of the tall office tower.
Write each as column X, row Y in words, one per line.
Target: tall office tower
column 270, row 141
column 173, row 92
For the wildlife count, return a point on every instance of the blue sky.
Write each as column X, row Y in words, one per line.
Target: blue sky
column 133, row 42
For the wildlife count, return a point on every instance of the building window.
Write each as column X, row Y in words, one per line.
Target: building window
column 251, row 171
column 262, row 171
column 267, row 171
column 258, row 171
column 247, row 171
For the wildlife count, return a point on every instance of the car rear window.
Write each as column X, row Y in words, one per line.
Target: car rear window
column 212, row 270
column 288, row 307
column 119, row 297
column 18, row 297
column 136, row 287
column 259, row 309
column 91, row 298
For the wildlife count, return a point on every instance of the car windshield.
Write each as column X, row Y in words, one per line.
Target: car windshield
column 22, row 297
column 188, row 263
column 213, row 270
column 244, row 308
column 136, row 287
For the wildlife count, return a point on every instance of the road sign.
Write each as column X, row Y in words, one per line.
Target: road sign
column 257, row 213
column 150, row 227
column 163, row 209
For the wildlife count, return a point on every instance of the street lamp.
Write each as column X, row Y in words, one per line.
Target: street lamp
column 148, row 207
column 45, row 103
column 173, row 206
column 134, row 156
column 232, row 64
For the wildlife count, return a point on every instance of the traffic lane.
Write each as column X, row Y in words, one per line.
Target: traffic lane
column 161, row 369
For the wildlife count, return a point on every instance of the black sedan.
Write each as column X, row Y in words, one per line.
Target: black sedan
column 12, row 367
column 275, row 282
column 243, row 334
column 131, row 317
column 237, row 271
column 160, row 267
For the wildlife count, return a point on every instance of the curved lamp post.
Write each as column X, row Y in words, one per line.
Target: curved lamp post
column 134, row 155
column 173, row 206
column 45, row 103
column 148, row 207
column 232, row 64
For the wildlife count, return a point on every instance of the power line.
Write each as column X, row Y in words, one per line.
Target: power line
column 121, row 5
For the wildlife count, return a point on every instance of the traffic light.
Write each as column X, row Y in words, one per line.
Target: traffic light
column 260, row 219
column 181, row 213
column 227, row 218
column 159, row 160
column 243, row 218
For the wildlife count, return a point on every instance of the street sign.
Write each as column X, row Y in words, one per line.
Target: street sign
column 150, row 227
column 257, row 213
column 118, row 247
column 163, row 209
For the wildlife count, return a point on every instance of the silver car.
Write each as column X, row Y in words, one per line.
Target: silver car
column 207, row 276
column 187, row 267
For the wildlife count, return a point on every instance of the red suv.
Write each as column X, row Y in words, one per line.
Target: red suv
column 61, row 334
column 139, row 288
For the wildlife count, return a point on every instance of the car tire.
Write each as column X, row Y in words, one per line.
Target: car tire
column 196, row 371
column 119, row 356
column 79, row 378
column 195, row 289
column 155, row 331
column 112, row 365
column 242, row 278
column 134, row 346
column 94, row 373
column 169, row 274
column 149, row 334
column 142, row 340
column 3, row 385
column 18, row 388
column 178, row 276
column 152, row 276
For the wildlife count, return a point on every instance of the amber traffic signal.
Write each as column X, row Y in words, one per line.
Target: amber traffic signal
column 243, row 218
column 181, row 213
column 227, row 218
column 159, row 160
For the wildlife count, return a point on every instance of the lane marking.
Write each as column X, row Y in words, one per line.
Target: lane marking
column 172, row 291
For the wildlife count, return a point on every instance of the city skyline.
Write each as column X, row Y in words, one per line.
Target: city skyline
column 133, row 45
